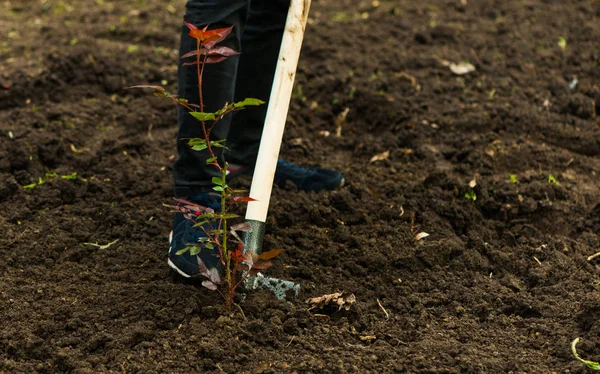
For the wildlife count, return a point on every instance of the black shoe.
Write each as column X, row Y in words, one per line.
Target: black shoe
column 185, row 234
column 305, row 178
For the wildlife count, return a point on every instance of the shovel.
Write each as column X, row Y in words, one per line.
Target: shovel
column 270, row 143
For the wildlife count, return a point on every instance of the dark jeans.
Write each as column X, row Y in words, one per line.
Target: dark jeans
column 257, row 31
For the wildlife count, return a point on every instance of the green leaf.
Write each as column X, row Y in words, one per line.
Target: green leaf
column 206, row 215
column 182, row 251
column 227, row 216
column 194, row 250
column 196, row 141
column 199, row 147
column 562, row 43
column 217, row 145
column 211, row 160
column 218, row 181
column 471, row 195
column 70, row 177
column 203, row 116
column 201, row 223
column 218, row 188
column 209, row 245
column 248, row 102
column 552, row 179
column 30, row 186
column 513, row 178
column 590, row 364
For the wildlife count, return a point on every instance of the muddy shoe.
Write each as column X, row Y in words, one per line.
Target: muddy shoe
column 305, row 178
column 185, row 234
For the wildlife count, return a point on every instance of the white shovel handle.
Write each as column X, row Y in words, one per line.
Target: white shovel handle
column 281, row 93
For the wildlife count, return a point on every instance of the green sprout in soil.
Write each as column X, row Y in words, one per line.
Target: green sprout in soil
column 220, row 235
column 589, row 364
column 512, row 178
column 49, row 177
column 562, row 43
column 471, row 195
column 552, row 179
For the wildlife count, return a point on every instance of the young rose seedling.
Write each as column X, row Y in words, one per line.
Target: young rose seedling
column 236, row 263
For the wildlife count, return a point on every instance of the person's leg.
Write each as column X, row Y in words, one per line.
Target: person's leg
column 261, row 40
column 191, row 174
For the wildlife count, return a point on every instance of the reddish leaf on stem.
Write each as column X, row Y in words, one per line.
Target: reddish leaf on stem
column 243, row 199
column 269, row 254
column 214, row 52
column 208, row 38
column 214, row 59
column 158, row 88
column 190, row 26
column 237, row 255
column 244, row 226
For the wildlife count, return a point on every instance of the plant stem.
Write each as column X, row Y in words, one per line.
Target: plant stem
column 199, row 71
column 224, row 241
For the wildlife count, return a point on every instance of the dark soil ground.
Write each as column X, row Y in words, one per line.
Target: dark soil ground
column 502, row 283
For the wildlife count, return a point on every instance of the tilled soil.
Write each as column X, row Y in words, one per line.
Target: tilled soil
column 499, row 166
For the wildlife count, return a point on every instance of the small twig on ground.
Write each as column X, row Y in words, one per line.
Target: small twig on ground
column 150, row 131
column 339, row 122
column 291, row 340
column 106, row 246
column 387, row 315
column 590, row 258
column 537, row 260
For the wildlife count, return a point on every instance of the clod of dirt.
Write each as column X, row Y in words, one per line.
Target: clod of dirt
column 8, row 186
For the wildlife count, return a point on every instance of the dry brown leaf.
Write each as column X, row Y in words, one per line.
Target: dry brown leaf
column 339, row 299
column 461, row 68
column 380, row 157
column 421, row 235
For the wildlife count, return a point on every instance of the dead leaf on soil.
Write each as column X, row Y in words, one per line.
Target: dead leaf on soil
column 421, row 235
column 368, row 337
column 339, row 299
column 380, row 157
column 461, row 68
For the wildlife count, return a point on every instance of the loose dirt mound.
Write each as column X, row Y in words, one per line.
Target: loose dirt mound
column 501, row 284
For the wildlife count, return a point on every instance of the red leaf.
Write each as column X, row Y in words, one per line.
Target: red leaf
column 190, row 54
column 243, row 199
column 244, row 226
column 237, row 255
column 210, row 38
column 210, row 285
column 190, row 26
column 158, row 88
column 262, row 265
column 215, row 36
column 222, row 51
column 214, row 59
column 269, row 254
